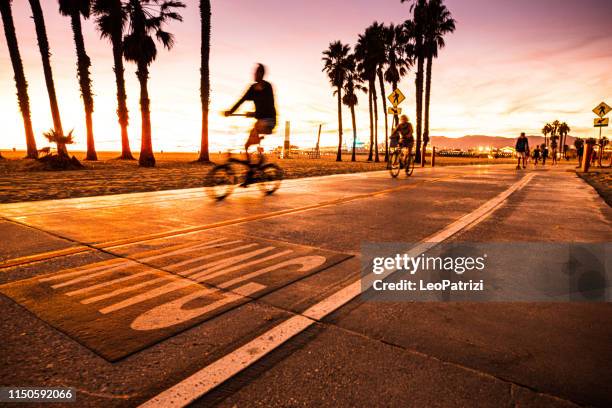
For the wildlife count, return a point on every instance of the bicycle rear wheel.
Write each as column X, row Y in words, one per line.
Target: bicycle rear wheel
column 270, row 177
column 223, row 180
column 394, row 163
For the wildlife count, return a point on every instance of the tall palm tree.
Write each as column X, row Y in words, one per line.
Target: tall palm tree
column 376, row 32
column 147, row 18
column 20, row 80
column 366, row 73
column 439, row 23
column 564, row 130
column 75, row 9
column 43, row 46
column 352, row 84
column 399, row 57
column 111, row 19
column 416, row 27
column 335, row 63
column 367, row 51
column 546, row 130
column 205, row 76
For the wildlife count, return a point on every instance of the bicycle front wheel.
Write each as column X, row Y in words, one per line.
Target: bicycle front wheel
column 409, row 164
column 270, row 177
column 394, row 164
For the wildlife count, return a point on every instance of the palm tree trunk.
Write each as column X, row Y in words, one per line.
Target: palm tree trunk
column 146, row 158
column 419, row 106
column 375, row 103
column 339, row 154
column 353, row 156
column 122, row 109
column 83, row 64
column 384, row 103
column 395, row 116
column 371, row 122
column 427, row 100
column 20, row 80
column 205, row 77
column 43, row 46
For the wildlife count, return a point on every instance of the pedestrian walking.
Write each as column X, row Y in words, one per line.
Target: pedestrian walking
column 522, row 149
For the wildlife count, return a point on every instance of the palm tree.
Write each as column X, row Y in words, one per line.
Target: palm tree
column 43, row 46
column 376, row 33
column 416, row 27
column 399, row 57
column 439, row 23
column 564, row 130
column 20, row 80
column 205, row 76
column 352, row 84
column 75, row 9
column 111, row 19
column 366, row 52
column 547, row 129
column 335, row 62
column 147, row 19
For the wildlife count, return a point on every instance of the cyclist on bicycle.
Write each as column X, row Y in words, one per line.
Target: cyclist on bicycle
column 262, row 95
column 403, row 131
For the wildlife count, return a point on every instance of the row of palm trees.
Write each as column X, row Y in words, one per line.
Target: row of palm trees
column 558, row 132
column 133, row 28
column 386, row 54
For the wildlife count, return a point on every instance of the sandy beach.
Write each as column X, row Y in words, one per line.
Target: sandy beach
column 173, row 171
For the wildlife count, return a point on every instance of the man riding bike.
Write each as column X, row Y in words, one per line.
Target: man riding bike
column 404, row 131
column 262, row 95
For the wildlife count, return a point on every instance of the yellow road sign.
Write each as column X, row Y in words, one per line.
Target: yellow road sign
column 601, row 122
column 394, row 111
column 602, row 109
column 396, row 97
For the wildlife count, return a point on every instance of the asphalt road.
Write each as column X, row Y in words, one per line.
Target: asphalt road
column 169, row 297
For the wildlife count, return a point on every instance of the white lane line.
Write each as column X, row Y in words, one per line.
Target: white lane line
column 211, row 376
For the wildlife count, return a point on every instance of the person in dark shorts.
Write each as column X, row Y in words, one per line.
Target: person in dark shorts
column 544, row 153
column 262, row 95
column 536, row 155
column 522, row 149
column 402, row 135
column 579, row 145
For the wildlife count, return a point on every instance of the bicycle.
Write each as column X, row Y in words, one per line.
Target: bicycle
column 225, row 176
column 399, row 159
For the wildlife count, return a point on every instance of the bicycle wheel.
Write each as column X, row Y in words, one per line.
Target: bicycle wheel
column 394, row 162
column 223, row 180
column 270, row 177
column 409, row 164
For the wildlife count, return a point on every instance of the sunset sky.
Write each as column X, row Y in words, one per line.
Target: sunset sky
column 511, row 66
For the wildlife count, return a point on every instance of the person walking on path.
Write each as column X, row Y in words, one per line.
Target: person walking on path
column 522, row 149
column 536, row 155
column 579, row 145
column 544, row 153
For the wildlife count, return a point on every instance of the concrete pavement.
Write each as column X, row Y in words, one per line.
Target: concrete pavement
column 124, row 297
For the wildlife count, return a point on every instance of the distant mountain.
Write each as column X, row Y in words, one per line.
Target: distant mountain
column 473, row 141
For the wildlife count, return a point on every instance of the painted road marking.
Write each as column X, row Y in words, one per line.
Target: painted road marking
column 211, row 376
column 118, row 307
column 184, row 231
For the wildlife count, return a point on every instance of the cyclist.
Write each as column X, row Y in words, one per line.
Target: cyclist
column 262, row 95
column 403, row 131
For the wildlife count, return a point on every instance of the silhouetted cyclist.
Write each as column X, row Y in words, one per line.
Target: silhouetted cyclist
column 262, row 95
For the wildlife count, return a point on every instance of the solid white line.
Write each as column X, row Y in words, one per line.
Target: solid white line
column 209, row 377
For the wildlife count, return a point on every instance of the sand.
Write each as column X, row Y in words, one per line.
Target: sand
column 173, row 171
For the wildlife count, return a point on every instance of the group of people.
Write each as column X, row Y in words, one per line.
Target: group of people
column 539, row 153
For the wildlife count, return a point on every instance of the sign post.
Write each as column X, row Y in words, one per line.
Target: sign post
column 601, row 110
column 396, row 97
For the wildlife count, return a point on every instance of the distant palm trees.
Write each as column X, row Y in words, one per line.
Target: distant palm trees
column 75, row 9
column 366, row 53
column 205, row 76
column 439, row 23
column 546, row 130
column 352, row 84
column 147, row 19
column 335, row 63
column 111, row 19
column 20, row 80
column 43, row 46
column 564, row 130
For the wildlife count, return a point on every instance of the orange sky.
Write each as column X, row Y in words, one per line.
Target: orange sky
column 510, row 66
